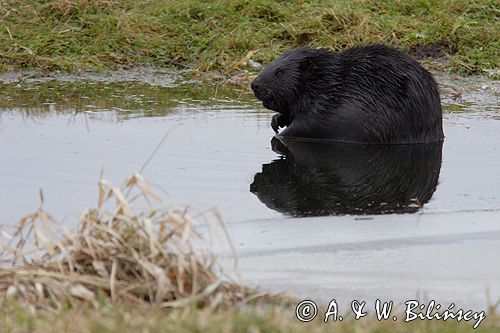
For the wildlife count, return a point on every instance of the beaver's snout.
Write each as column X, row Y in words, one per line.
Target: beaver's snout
column 256, row 87
column 261, row 92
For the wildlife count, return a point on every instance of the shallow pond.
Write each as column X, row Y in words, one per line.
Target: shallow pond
column 56, row 132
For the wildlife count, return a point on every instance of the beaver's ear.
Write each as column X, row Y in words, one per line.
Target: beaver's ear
column 306, row 64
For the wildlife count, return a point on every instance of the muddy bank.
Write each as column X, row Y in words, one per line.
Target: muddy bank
column 457, row 92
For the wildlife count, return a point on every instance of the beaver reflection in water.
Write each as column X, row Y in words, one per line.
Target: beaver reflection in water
column 327, row 178
column 366, row 94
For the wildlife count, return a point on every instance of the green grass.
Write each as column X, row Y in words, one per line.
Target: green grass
column 253, row 319
column 79, row 35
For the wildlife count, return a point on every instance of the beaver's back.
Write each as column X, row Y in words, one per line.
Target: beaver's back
column 369, row 94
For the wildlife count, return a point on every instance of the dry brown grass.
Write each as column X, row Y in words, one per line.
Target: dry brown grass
column 118, row 252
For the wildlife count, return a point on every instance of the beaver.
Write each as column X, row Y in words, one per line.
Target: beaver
column 366, row 94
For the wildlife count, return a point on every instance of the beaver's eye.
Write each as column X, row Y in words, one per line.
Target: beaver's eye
column 278, row 73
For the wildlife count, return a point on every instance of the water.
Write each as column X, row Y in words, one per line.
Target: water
column 443, row 242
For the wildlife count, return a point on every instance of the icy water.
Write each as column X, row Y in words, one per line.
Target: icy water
column 442, row 240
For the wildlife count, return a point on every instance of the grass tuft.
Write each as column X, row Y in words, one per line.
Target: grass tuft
column 115, row 254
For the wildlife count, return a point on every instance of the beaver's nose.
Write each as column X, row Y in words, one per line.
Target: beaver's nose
column 255, row 85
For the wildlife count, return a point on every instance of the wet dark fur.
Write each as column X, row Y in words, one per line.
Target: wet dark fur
column 326, row 178
column 366, row 94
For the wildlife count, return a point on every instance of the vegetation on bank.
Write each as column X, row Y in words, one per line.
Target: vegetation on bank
column 82, row 35
column 115, row 252
column 254, row 319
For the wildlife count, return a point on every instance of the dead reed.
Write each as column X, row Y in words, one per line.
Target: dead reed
column 118, row 252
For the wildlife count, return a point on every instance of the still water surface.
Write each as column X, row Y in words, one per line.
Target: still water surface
column 55, row 135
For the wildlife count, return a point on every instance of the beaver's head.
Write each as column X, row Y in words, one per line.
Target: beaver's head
column 279, row 84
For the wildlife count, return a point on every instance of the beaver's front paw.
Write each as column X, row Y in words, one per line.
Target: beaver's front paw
column 279, row 120
column 275, row 122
